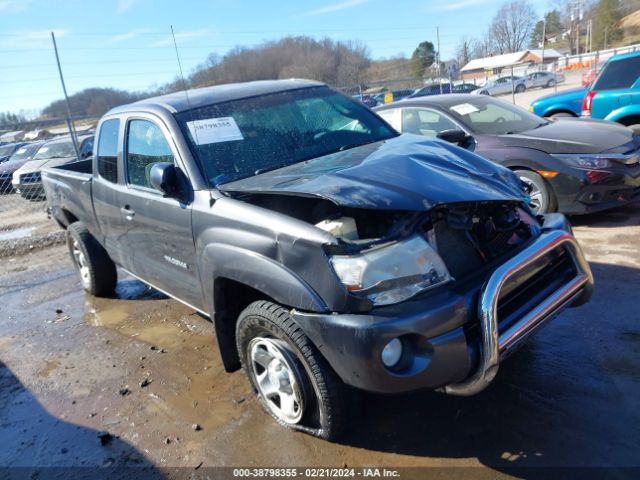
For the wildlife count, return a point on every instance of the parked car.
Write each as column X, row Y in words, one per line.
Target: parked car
column 367, row 100
column 502, row 85
column 325, row 256
column 573, row 166
column 615, row 93
column 567, row 103
column 543, row 79
column 26, row 179
column 389, row 96
column 7, row 150
column 464, row 88
column 17, row 160
column 433, row 89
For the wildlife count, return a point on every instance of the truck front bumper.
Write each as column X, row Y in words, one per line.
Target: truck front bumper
column 454, row 339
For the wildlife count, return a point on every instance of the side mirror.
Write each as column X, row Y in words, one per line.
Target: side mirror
column 453, row 136
column 164, row 178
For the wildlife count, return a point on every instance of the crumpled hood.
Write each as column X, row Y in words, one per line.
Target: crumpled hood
column 37, row 165
column 407, row 172
column 572, row 136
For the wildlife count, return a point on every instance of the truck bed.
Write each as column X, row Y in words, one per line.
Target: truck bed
column 68, row 191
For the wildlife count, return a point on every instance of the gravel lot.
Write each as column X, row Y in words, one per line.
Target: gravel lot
column 137, row 372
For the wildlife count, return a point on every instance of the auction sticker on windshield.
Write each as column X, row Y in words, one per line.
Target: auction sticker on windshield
column 214, row 130
column 464, row 109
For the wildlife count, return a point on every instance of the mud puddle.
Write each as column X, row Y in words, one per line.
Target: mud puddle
column 17, row 233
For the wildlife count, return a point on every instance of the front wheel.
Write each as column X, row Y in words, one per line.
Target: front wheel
column 95, row 268
column 520, row 88
column 293, row 381
column 541, row 199
column 551, row 83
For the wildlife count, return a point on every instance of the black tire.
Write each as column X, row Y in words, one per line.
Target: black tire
column 545, row 202
column 96, row 270
column 551, row 83
column 520, row 88
column 323, row 393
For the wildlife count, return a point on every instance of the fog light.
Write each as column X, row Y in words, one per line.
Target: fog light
column 392, row 352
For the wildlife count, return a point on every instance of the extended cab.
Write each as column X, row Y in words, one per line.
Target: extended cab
column 327, row 248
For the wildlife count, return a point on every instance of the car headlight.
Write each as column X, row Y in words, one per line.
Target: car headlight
column 392, row 273
column 584, row 162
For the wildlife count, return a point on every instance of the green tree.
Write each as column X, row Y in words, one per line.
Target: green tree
column 536, row 35
column 551, row 25
column 606, row 24
column 422, row 58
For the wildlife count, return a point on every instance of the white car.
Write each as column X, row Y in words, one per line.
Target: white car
column 503, row 85
column 543, row 79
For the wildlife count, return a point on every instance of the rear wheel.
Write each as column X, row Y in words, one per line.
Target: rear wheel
column 541, row 199
column 294, row 383
column 96, row 270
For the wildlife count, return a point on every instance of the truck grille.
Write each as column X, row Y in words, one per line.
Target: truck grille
column 525, row 290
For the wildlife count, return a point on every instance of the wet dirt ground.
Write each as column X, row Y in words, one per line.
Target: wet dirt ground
column 122, row 382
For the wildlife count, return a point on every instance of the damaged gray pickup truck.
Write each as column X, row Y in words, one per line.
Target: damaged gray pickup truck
column 328, row 249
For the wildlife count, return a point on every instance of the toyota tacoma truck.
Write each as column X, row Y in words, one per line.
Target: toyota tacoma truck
column 328, row 250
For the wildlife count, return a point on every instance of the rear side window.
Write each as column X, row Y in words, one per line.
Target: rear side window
column 619, row 74
column 146, row 146
column 108, row 150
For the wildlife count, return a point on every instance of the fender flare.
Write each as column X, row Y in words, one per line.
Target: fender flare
column 622, row 112
column 258, row 272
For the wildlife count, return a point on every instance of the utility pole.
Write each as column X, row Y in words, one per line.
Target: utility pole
column 72, row 130
column 544, row 34
column 438, row 57
column 606, row 31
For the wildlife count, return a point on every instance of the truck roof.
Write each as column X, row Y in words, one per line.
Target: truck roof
column 177, row 102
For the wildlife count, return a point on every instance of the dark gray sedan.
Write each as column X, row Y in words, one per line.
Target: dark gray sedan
column 573, row 166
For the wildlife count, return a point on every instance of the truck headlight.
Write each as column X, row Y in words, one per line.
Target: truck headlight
column 584, row 162
column 392, row 273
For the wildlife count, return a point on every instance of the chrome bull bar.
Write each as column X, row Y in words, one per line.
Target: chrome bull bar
column 495, row 345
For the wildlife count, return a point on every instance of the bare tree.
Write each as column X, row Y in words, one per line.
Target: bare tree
column 485, row 46
column 512, row 26
column 464, row 51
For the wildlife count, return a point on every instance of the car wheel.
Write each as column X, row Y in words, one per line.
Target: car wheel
column 292, row 380
column 562, row 115
column 484, row 92
column 551, row 83
column 541, row 198
column 96, row 270
column 520, row 88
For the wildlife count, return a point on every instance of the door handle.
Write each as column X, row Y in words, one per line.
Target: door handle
column 127, row 212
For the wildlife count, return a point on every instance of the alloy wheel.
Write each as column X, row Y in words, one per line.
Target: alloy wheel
column 277, row 379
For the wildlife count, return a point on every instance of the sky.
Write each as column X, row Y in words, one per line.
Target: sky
column 126, row 44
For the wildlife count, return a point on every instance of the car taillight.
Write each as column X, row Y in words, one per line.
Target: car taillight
column 587, row 103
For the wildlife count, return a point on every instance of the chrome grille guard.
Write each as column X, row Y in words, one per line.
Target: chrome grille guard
column 493, row 344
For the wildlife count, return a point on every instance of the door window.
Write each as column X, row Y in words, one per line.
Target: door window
column 422, row 121
column 146, row 146
column 108, row 150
